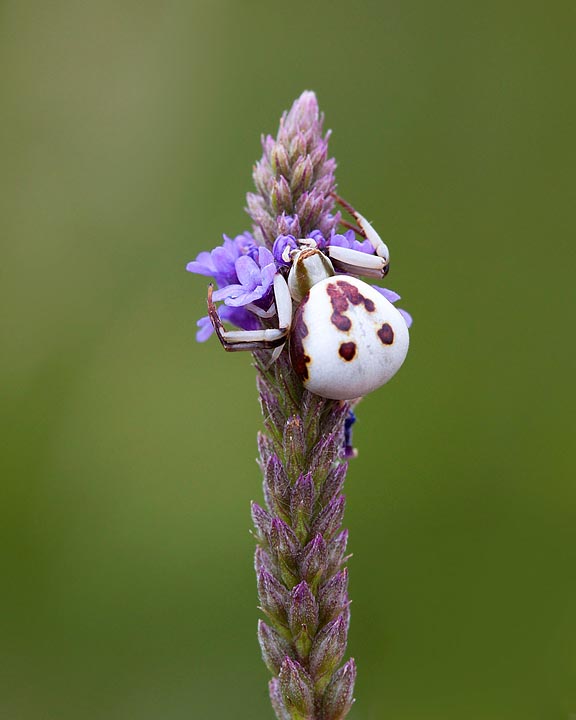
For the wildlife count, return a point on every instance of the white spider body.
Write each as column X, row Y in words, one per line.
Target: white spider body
column 346, row 339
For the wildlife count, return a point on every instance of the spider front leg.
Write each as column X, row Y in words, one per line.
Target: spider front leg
column 366, row 230
column 267, row 338
column 357, row 262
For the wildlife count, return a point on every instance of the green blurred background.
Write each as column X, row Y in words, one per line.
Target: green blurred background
column 128, row 133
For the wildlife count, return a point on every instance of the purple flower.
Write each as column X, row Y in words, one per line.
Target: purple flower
column 393, row 297
column 220, row 263
column 348, row 240
column 318, row 238
column 254, row 279
column 283, row 245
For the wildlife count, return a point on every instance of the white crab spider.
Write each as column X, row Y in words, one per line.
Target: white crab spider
column 345, row 338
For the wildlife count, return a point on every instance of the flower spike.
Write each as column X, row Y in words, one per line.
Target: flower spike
column 321, row 338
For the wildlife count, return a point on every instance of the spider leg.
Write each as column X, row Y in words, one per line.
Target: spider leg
column 367, row 231
column 355, row 228
column 357, row 262
column 262, row 313
column 267, row 338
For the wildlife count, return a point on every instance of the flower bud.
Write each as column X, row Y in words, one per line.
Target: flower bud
column 274, row 597
column 330, row 518
column 284, row 547
column 279, row 161
column 265, row 449
column 319, row 154
column 310, row 206
column 336, row 553
column 288, row 225
column 297, row 689
column 298, row 145
column 280, row 196
column 282, row 540
column 262, row 521
column 338, row 699
column 271, row 410
column 334, row 483
column 304, row 210
column 313, row 561
column 303, row 609
column 276, row 487
column 328, row 648
column 294, row 444
column 263, row 176
column 324, row 458
column 333, row 596
column 277, row 700
column 274, row 648
column 302, row 175
column 302, row 505
column 263, row 561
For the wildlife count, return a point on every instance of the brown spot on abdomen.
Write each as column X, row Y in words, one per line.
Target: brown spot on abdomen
column 386, row 334
column 339, row 304
column 342, row 294
column 347, row 351
column 341, row 321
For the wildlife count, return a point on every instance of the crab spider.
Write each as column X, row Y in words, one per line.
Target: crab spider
column 345, row 338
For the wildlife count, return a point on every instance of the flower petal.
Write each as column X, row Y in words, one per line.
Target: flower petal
column 339, row 241
column 240, row 317
column 265, row 257
column 280, row 244
column 407, row 317
column 248, row 272
column 245, row 297
column 203, row 265
column 390, row 295
column 228, row 291
column 224, row 260
column 318, row 238
column 205, row 329
column 268, row 275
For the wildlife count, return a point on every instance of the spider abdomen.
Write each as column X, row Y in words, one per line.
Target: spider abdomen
column 346, row 339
